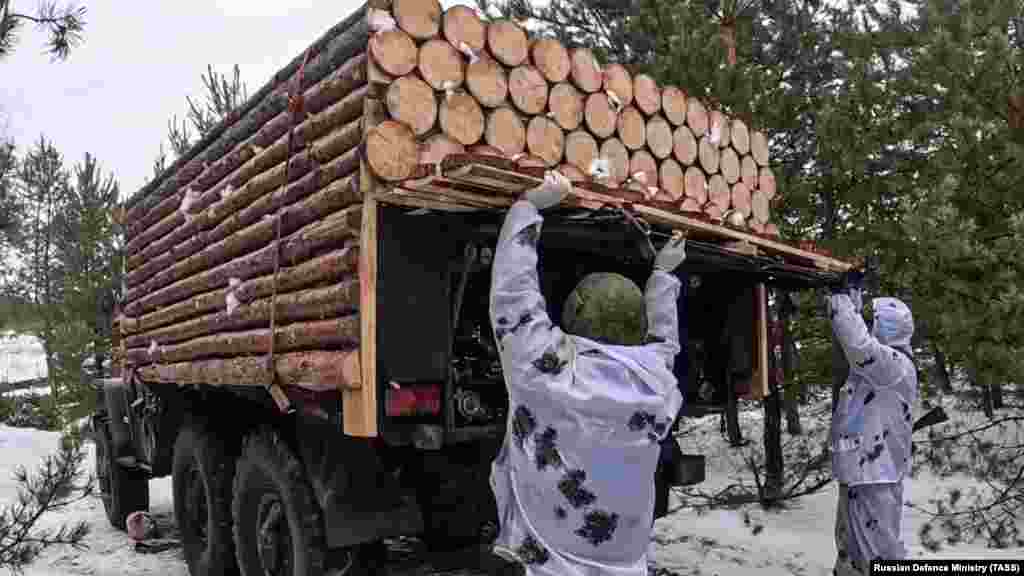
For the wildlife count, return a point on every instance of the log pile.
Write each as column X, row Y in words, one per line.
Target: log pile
column 455, row 83
column 261, row 221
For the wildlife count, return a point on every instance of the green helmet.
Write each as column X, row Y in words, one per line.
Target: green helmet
column 608, row 308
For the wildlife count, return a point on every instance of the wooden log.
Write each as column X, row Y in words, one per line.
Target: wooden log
column 329, row 268
column 755, row 226
column 391, row 150
column 244, row 163
column 730, row 165
column 328, row 232
column 507, row 42
column 670, row 179
column 643, row 169
column 421, row 19
column 599, row 115
column 684, row 146
column 461, row 26
column 337, row 55
column 719, row 193
column 565, row 106
column 766, row 182
column 258, row 198
column 772, row 230
column 690, row 205
column 696, row 117
column 659, row 137
column 552, row 59
column 708, row 154
column 487, row 81
column 619, row 82
column 718, row 125
column 617, row 156
column 486, row 150
column 585, row 70
column 673, row 102
column 741, row 198
column 317, row 371
column 573, row 173
column 580, row 150
column 740, row 137
column 461, row 118
column 714, row 211
column 748, row 172
column 545, row 140
column 759, row 148
column 759, row 208
column 244, row 232
column 337, row 300
column 411, row 101
column 696, row 185
column 437, row 147
column 528, row 89
column 176, row 227
column 646, row 94
column 632, row 128
column 441, row 65
column 394, row 52
column 506, row 132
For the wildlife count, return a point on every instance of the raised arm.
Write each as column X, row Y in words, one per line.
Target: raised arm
column 661, row 300
column 882, row 364
column 518, row 310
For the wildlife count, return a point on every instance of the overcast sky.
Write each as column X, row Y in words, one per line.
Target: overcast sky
column 115, row 93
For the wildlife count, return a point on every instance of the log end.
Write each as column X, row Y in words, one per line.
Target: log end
column 421, row 19
column 392, row 151
column 507, row 41
column 552, row 59
column 461, row 25
column 394, row 52
column 585, row 70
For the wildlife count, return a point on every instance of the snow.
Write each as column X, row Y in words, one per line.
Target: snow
column 21, row 358
column 794, row 541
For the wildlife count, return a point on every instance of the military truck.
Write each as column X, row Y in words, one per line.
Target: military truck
column 304, row 344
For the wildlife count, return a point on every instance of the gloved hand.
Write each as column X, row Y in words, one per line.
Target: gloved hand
column 554, row 189
column 671, row 255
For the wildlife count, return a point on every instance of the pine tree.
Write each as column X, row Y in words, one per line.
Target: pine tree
column 64, row 25
column 221, row 96
column 57, row 483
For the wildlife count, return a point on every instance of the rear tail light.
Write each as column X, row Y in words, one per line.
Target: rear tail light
column 413, row 400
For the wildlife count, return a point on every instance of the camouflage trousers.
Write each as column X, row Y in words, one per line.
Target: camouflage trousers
column 868, row 527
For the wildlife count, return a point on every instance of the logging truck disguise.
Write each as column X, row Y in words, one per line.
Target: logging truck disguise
column 304, row 343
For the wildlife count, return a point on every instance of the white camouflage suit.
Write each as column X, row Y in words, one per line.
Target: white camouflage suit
column 871, row 430
column 574, row 479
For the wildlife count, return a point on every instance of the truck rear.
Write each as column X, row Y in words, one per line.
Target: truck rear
column 304, row 341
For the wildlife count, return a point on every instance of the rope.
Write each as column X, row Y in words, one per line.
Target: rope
column 295, row 109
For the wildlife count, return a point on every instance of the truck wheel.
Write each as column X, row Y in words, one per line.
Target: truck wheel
column 123, row 491
column 202, row 474
column 278, row 529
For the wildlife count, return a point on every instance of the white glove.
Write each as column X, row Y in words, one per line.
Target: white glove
column 671, row 255
column 555, row 188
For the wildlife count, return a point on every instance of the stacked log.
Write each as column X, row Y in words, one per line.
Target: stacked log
column 489, row 87
column 261, row 220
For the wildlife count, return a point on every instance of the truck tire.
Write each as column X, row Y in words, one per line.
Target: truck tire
column 277, row 523
column 123, row 491
column 202, row 475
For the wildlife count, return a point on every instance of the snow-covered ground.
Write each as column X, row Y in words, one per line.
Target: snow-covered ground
column 748, row 540
column 21, row 358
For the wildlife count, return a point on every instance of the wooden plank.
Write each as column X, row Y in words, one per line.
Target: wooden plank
column 359, row 407
column 514, row 183
column 409, row 199
column 759, row 379
column 684, row 222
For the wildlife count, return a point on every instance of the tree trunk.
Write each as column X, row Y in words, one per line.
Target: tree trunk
column 740, row 199
column 461, row 25
column 392, row 151
column 732, row 411
column 942, row 371
column 759, row 148
column 411, row 101
column 719, row 194
column 673, row 102
column 506, row 131
column 696, row 185
column 709, row 155
column 421, row 19
column 997, row 396
column 619, row 82
column 552, row 59
column 599, row 115
column 632, row 128
column 774, row 464
column 435, row 148
column 617, row 156
column 766, row 182
column 659, row 137
column 730, row 166
column 670, row 179
column 580, row 149
column 441, row 65
column 394, row 52
column 319, row 371
column 792, row 389
column 696, row 117
column 741, row 138
column 684, row 146
column 487, row 81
